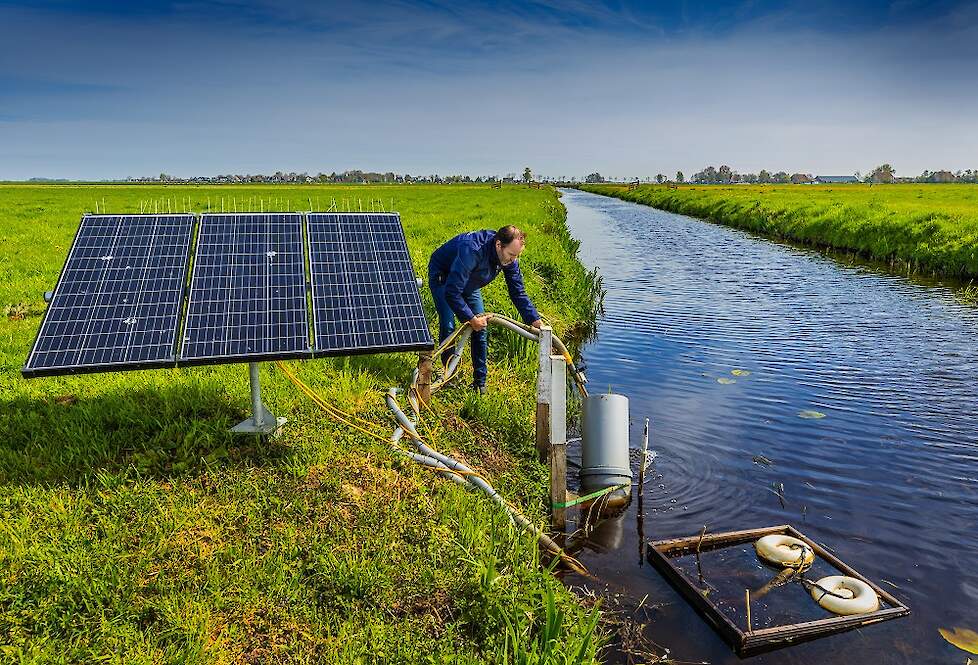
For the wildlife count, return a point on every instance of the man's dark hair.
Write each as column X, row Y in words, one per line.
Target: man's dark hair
column 508, row 234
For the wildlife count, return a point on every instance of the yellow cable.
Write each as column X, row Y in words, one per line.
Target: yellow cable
column 335, row 413
column 309, row 391
column 433, row 428
column 338, row 414
column 423, row 402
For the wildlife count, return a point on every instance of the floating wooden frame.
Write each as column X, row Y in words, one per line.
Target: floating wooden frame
column 748, row 642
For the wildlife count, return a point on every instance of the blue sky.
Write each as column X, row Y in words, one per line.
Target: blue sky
column 100, row 90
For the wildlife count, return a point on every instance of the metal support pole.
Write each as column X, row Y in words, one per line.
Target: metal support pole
column 558, row 441
column 544, row 393
column 262, row 422
column 257, row 408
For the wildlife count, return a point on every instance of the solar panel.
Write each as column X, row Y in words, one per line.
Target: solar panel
column 364, row 291
column 117, row 301
column 247, row 291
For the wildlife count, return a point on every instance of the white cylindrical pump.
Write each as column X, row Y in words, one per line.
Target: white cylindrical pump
column 604, row 442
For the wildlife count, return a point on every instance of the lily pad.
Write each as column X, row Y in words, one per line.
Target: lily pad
column 740, row 372
column 810, row 414
column 726, row 380
column 962, row 638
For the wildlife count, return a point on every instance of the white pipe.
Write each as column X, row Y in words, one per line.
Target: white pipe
column 434, row 459
column 425, row 460
column 457, row 356
column 509, row 325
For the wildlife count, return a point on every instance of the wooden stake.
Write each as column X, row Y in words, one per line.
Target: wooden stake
column 699, row 543
column 543, row 430
column 424, row 376
column 558, row 485
column 749, row 629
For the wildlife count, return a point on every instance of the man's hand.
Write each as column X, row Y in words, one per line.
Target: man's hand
column 478, row 322
column 537, row 324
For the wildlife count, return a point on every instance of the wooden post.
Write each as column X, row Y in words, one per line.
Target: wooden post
column 558, row 485
column 544, row 393
column 558, row 441
column 424, row 376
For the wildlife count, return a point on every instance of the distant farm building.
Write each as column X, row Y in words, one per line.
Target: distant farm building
column 800, row 179
column 836, row 179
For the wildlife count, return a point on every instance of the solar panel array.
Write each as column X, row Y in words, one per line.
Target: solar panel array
column 118, row 299
column 118, row 302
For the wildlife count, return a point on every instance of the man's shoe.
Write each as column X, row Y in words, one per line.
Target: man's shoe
column 479, row 389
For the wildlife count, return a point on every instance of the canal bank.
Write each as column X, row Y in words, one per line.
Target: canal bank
column 784, row 387
column 914, row 229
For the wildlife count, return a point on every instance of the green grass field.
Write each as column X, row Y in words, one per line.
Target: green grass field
column 137, row 530
column 932, row 229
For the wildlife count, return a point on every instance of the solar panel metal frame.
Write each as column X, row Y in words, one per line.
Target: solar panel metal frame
column 319, row 351
column 184, row 360
column 61, row 370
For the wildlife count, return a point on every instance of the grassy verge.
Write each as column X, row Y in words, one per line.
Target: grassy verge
column 927, row 228
column 137, row 530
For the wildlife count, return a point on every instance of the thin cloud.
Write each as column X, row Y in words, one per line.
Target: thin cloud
column 423, row 87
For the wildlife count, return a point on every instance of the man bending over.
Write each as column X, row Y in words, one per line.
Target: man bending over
column 456, row 273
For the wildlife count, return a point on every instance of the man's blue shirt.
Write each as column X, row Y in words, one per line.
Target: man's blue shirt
column 468, row 262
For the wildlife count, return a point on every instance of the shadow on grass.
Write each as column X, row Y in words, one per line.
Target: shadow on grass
column 164, row 432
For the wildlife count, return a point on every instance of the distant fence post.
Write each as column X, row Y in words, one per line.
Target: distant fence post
column 544, row 391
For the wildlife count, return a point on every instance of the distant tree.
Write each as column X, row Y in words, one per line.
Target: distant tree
column 660, row 178
column 764, row 176
column 884, row 173
column 725, row 175
column 707, row 176
column 594, row 177
column 781, row 178
column 527, row 174
column 680, row 178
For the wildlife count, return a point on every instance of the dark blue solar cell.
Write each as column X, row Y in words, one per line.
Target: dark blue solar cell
column 247, row 290
column 117, row 302
column 365, row 294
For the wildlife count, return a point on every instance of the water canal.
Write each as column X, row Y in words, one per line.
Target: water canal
column 888, row 478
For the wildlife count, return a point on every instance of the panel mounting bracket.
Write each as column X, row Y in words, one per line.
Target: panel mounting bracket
column 262, row 422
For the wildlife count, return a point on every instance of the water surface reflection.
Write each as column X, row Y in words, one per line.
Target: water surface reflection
column 888, row 478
